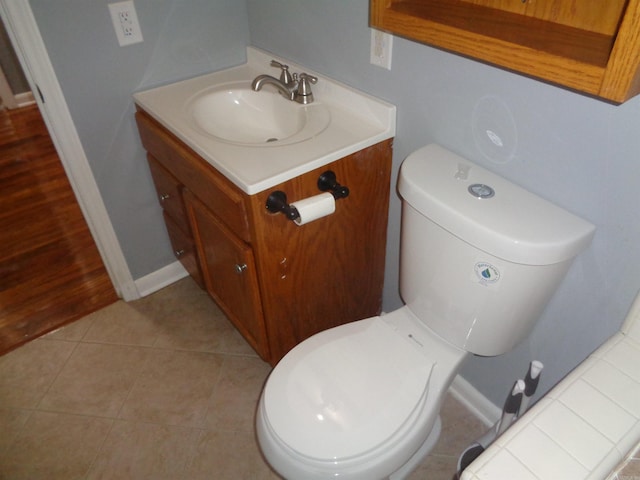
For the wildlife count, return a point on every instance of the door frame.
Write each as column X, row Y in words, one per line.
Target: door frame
column 34, row 59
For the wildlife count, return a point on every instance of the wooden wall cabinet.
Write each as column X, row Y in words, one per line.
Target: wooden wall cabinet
column 588, row 46
column 278, row 283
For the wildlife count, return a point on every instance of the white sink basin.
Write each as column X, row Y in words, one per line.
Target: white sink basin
column 233, row 128
column 236, row 114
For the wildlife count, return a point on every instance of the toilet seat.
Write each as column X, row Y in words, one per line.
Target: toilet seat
column 353, row 411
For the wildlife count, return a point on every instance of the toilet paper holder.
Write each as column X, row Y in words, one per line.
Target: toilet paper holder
column 327, row 181
column 277, row 200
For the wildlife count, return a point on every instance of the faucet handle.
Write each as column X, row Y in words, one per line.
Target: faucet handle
column 285, row 76
column 303, row 94
column 311, row 78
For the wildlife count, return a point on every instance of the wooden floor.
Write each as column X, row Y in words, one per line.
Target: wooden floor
column 50, row 270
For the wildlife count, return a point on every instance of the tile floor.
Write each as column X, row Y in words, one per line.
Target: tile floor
column 160, row 388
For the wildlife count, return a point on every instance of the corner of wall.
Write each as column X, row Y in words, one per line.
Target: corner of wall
column 474, row 401
column 160, row 278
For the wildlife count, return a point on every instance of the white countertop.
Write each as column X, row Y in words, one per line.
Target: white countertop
column 583, row 428
column 358, row 121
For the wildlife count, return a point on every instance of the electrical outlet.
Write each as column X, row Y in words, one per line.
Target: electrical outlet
column 381, row 46
column 125, row 22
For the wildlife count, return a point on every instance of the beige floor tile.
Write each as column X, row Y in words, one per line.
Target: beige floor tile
column 199, row 325
column 228, row 456
column 460, row 428
column 234, row 400
column 96, row 380
column 11, row 422
column 73, row 331
column 171, row 300
column 174, row 388
column 436, row 467
column 54, row 446
column 122, row 324
column 144, row 451
column 27, row 372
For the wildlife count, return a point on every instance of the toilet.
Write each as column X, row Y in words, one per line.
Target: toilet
column 480, row 258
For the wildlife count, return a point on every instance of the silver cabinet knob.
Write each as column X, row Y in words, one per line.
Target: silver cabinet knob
column 164, row 196
column 240, row 268
column 179, row 253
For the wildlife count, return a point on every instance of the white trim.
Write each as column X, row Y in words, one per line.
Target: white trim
column 25, row 99
column 31, row 51
column 473, row 400
column 160, row 278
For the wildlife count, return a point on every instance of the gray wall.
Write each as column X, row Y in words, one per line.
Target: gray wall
column 10, row 64
column 580, row 153
column 182, row 38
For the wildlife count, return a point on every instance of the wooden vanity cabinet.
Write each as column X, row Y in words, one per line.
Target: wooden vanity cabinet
column 277, row 282
column 589, row 46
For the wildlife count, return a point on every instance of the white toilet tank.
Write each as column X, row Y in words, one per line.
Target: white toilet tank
column 480, row 256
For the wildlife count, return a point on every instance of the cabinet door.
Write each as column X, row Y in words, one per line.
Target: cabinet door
column 229, row 272
column 184, row 249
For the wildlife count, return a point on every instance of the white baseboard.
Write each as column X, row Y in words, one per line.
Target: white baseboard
column 25, row 99
column 160, row 278
column 473, row 400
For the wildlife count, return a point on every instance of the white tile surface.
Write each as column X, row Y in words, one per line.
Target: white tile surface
column 599, row 410
column 617, row 385
column 574, row 434
column 544, row 457
column 626, row 357
column 504, row 466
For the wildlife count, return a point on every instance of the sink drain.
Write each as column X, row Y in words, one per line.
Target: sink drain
column 272, row 140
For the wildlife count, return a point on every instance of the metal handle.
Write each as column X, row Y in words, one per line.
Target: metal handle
column 303, row 93
column 179, row 253
column 285, row 76
column 240, row 268
column 275, row 63
column 164, row 196
column 306, row 76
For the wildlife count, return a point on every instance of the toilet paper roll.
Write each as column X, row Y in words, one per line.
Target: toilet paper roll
column 315, row 207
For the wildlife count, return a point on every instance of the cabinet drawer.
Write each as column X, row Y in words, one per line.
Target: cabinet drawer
column 169, row 194
column 184, row 249
column 211, row 187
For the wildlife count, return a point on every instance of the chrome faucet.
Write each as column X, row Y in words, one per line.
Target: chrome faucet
column 292, row 86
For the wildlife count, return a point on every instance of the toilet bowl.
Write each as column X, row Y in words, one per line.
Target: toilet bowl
column 356, row 401
column 361, row 401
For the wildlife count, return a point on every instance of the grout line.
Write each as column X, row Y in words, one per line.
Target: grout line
column 64, row 364
column 100, row 448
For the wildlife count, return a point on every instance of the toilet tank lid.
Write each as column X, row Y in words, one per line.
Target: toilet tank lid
column 513, row 224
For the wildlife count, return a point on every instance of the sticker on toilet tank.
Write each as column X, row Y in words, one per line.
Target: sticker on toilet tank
column 486, row 273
